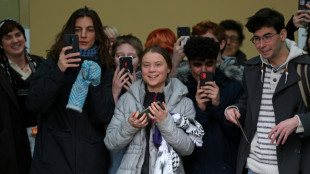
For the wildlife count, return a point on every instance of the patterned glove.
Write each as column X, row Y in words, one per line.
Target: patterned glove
column 90, row 73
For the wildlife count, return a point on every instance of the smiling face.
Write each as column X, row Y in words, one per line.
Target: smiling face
column 271, row 49
column 127, row 50
column 84, row 28
column 154, row 71
column 13, row 43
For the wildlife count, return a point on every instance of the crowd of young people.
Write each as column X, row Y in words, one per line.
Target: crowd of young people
column 88, row 114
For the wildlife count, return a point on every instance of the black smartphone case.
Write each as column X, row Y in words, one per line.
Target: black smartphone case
column 147, row 111
column 183, row 31
column 71, row 40
column 126, row 62
column 205, row 77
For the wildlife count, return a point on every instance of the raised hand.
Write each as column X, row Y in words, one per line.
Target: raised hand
column 65, row 61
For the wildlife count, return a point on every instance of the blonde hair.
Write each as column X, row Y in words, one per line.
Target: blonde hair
column 110, row 30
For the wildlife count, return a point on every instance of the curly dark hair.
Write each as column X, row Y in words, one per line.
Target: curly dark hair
column 201, row 48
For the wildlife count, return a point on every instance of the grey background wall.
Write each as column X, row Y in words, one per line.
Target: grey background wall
column 139, row 17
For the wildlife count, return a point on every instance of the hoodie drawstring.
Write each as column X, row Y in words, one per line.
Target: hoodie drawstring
column 262, row 72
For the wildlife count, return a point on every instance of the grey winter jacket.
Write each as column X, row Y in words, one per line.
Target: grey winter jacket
column 121, row 134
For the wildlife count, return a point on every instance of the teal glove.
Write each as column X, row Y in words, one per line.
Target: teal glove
column 90, row 73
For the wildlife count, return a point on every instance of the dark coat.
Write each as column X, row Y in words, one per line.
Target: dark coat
column 294, row 155
column 68, row 141
column 218, row 154
column 241, row 57
column 14, row 144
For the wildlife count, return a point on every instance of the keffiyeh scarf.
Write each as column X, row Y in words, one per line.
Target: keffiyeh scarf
column 168, row 160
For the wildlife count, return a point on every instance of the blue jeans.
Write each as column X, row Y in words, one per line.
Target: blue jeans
column 116, row 159
column 251, row 172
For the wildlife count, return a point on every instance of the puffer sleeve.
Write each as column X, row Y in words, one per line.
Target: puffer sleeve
column 119, row 132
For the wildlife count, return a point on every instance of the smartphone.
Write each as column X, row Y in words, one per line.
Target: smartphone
column 205, row 77
column 302, row 6
column 184, row 31
column 147, row 111
column 126, row 62
column 72, row 40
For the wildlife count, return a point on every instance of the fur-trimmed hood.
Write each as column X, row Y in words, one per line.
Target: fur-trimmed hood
column 230, row 70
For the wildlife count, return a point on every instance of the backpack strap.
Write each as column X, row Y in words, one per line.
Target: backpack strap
column 304, row 84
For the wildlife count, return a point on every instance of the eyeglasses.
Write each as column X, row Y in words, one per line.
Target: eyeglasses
column 266, row 38
column 234, row 39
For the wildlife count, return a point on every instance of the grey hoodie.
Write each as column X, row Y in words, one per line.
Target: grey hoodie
column 295, row 51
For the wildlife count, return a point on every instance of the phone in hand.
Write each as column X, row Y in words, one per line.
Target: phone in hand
column 72, row 40
column 126, row 62
column 184, row 31
column 205, row 77
column 147, row 111
column 302, row 6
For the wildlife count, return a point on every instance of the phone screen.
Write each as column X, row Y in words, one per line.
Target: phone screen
column 147, row 111
column 205, row 77
column 126, row 62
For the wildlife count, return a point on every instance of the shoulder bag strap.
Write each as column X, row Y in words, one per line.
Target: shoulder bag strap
column 304, row 84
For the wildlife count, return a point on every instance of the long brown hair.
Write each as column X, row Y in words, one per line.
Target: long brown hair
column 102, row 40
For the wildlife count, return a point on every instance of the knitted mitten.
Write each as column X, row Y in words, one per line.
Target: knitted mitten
column 90, row 73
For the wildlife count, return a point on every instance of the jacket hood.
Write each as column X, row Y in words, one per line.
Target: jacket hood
column 173, row 91
column 231, row 71
column 294, row 52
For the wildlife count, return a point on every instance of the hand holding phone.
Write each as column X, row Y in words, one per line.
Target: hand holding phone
column 184, row 31
column 72, row 40
column 205, row 77
column 147, row 111
column 302, row 6
column 126, row 62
